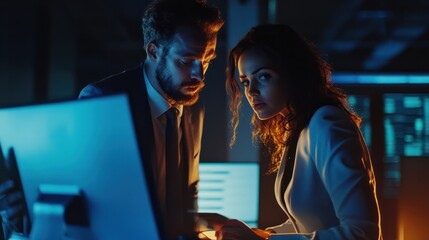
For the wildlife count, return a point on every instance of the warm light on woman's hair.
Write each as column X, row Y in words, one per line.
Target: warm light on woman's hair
column 306, row 83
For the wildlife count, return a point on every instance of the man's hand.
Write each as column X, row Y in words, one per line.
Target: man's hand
column 213, row 220
column 236, row 230
column 12, row 205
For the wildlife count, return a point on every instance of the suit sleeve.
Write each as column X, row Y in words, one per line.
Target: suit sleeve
column 90, row 91
column 343, row 164
column 286, row 227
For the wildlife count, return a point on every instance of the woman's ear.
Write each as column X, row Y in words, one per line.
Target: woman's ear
column 152, row 50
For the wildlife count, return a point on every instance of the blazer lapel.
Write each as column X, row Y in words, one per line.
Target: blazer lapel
column 277, row 185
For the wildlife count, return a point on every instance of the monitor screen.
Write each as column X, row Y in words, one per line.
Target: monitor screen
column 230, row 189
column 90, row 144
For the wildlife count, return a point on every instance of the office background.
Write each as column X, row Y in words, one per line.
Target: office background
column 379, row 51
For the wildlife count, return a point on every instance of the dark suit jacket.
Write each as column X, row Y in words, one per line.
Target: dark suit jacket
column 132, row 83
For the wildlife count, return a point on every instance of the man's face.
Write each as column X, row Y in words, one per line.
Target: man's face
column 183, row 64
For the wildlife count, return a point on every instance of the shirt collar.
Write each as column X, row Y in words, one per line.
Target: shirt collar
column 158, row 104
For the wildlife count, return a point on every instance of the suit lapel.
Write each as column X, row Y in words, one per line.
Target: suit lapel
column 187, row 139
column 142, row 116
column 144, row 132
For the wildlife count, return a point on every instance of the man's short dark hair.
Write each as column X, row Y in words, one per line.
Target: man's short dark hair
column 163, row 17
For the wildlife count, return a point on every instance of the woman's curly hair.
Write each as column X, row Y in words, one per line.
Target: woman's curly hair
column 307, row 85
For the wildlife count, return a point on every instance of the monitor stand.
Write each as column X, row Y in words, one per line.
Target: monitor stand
column 58, row 207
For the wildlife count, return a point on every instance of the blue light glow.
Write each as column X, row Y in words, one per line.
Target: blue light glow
column 350, row 78
column 418, row 125
column 412, row 102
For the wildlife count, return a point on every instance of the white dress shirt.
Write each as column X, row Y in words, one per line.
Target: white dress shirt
column 158, row 106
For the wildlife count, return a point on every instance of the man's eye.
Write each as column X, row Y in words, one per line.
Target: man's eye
column 185, row 61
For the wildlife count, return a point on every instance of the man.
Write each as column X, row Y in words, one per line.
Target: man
column 180, row 42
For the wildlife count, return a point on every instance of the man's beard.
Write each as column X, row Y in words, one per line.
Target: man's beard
column 165, row 81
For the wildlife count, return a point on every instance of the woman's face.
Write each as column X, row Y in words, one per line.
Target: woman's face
column 261, row 78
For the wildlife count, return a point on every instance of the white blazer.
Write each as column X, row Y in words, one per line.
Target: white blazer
column 332, row 191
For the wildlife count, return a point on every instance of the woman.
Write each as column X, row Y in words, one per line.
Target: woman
column 325, row 183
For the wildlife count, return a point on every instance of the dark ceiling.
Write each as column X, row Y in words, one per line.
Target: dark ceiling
column 353, row 35
column 364, row 35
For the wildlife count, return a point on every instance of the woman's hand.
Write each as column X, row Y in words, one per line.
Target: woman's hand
column 236, row 230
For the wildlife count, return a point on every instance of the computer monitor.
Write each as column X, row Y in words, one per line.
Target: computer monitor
column 89, row 144
column 230, row 189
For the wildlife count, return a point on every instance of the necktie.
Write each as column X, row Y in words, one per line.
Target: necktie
column 174, row 176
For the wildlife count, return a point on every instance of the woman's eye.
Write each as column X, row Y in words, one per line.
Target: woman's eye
column 245, row 83
column 264, row 77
